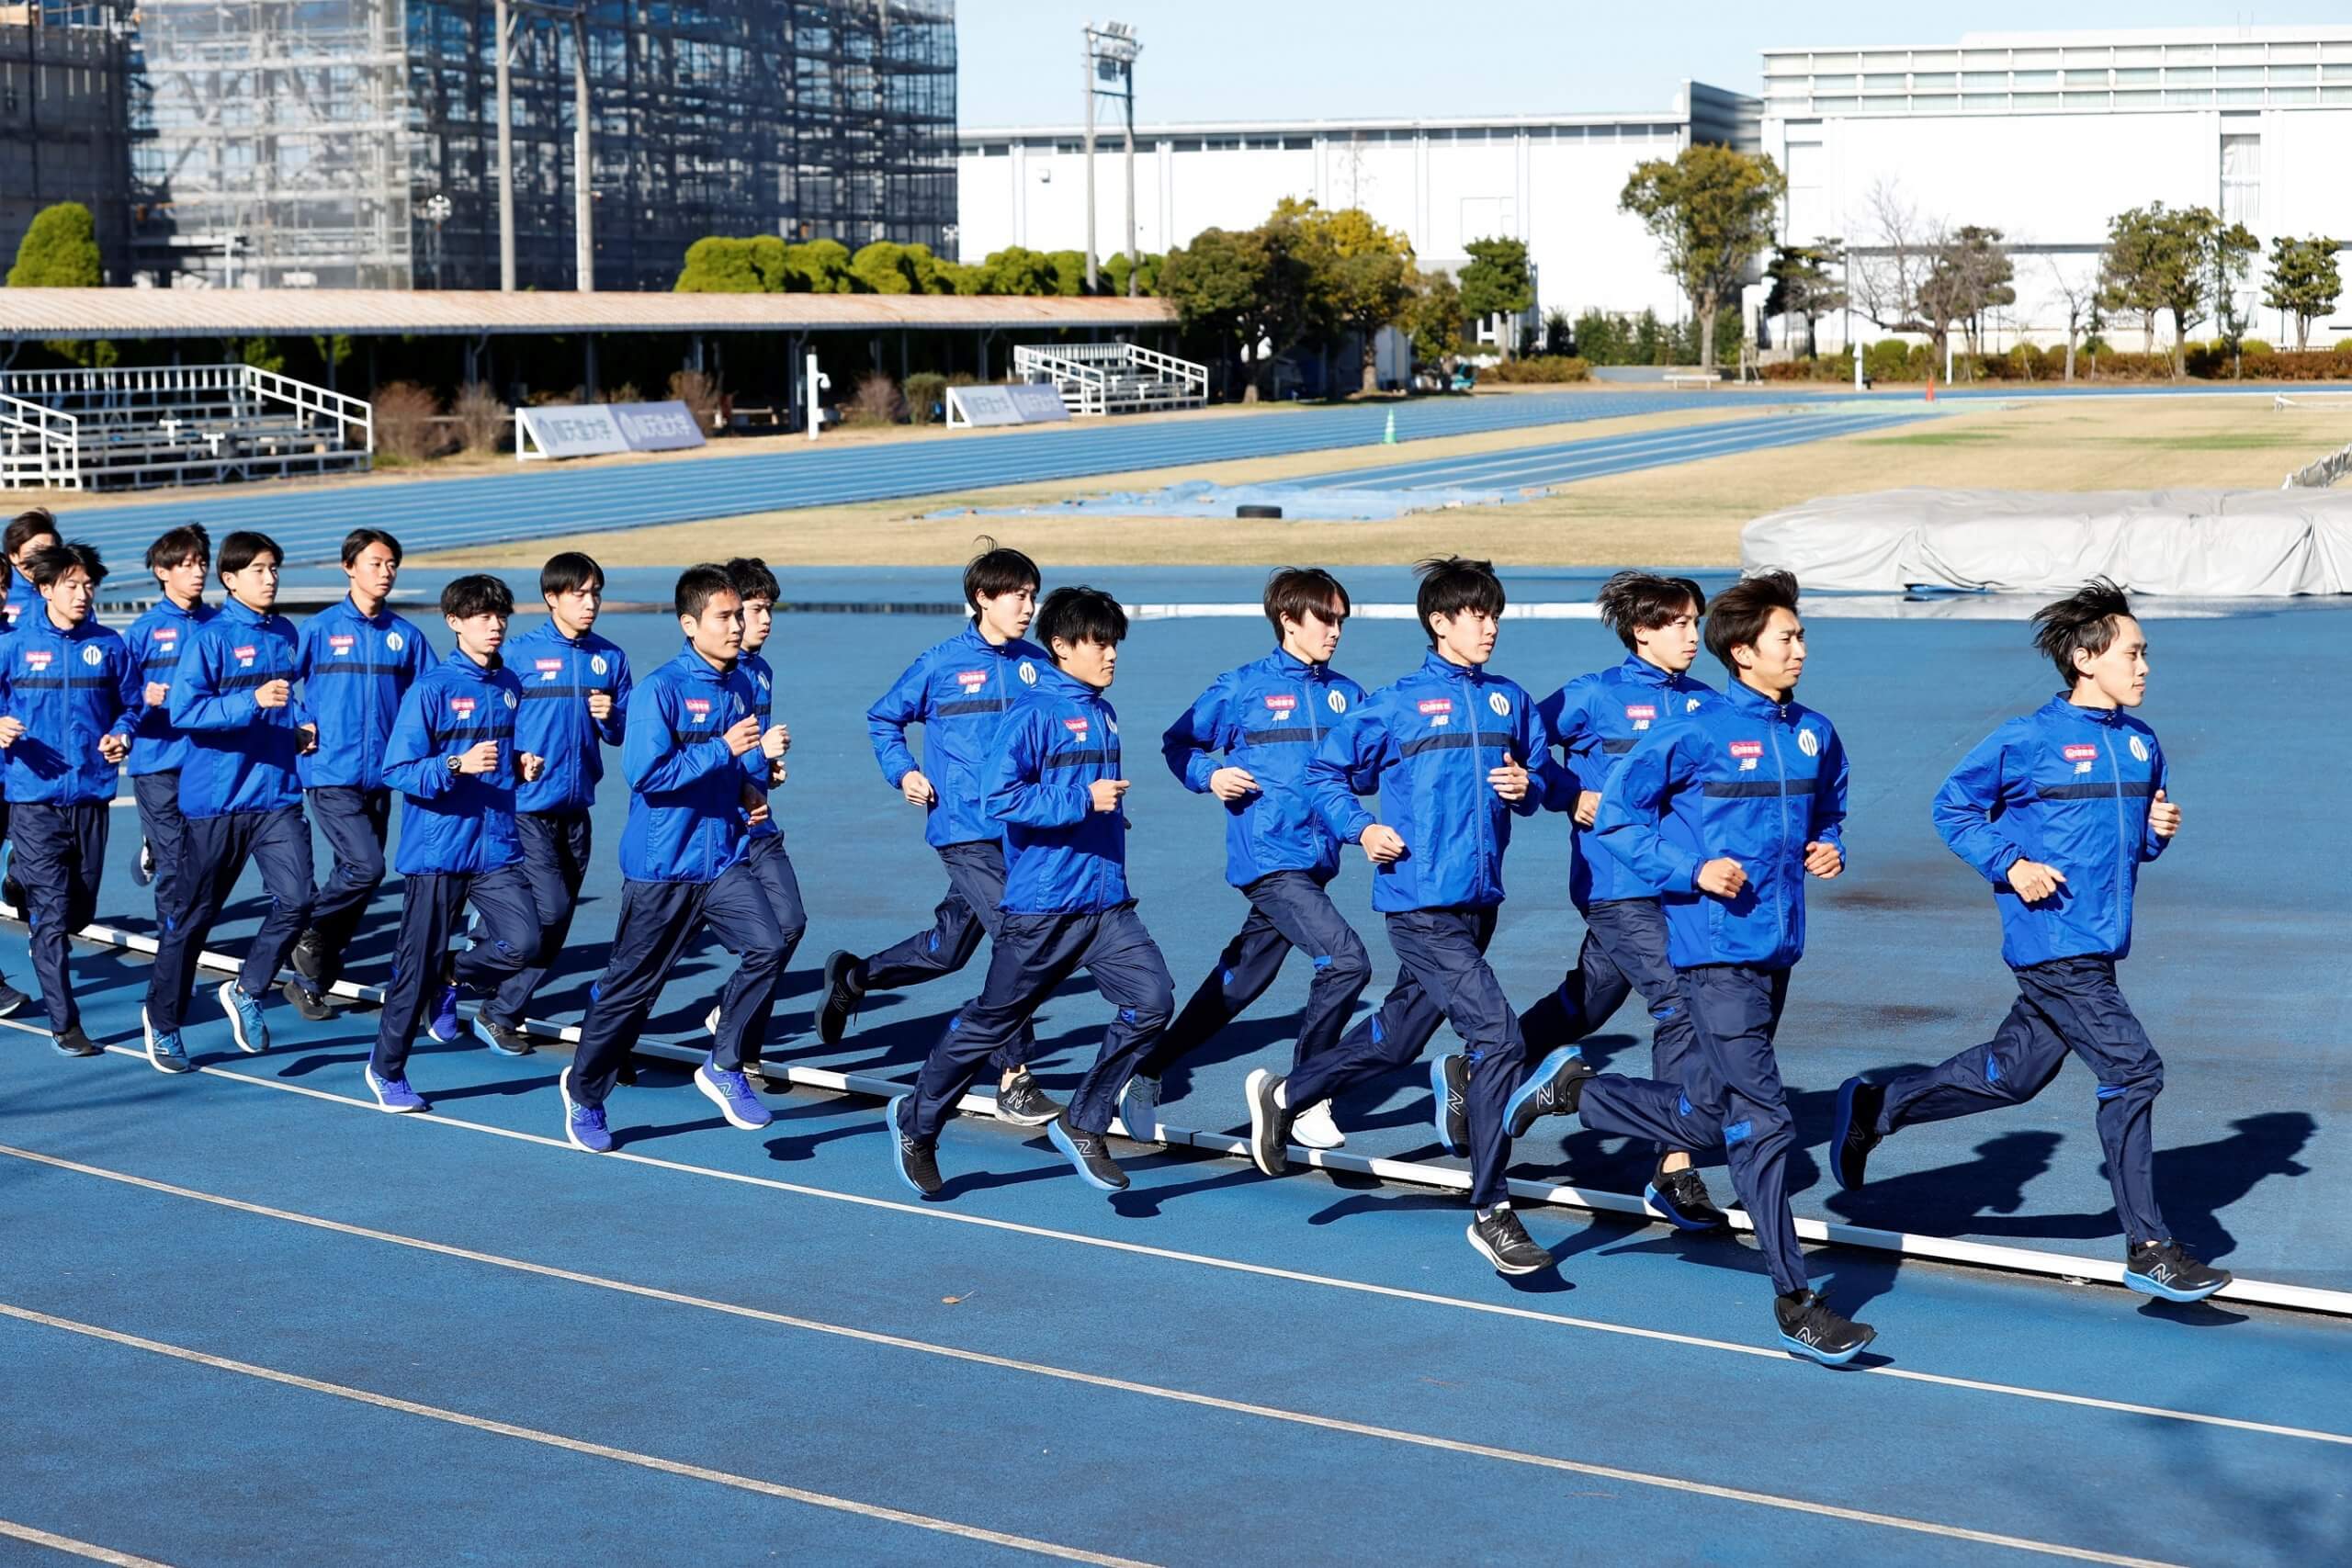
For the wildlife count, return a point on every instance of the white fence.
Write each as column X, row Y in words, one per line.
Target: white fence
column 174, row 424
column 1114, row 377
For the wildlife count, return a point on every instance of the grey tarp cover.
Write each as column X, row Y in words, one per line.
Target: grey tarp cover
column 2211, row 543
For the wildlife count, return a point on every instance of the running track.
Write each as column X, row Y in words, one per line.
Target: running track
column 449, row 513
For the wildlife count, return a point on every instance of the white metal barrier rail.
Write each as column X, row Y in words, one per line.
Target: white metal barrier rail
column 40, row 448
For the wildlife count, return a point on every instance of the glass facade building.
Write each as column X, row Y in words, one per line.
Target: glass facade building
column 304, row 142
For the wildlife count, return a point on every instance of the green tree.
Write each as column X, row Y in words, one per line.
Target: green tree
column 2179, row 259
column 1017, row 270
column 717, row 264
column 1147, row 265
column 1497, row 282
column 1069, row 272
column 1711, row 210
column 1433, row 319
column 2303, row 281
column 59, row 250
column 1359, row 275
column 1214, row 284
column 884, row 268
column 1803, row 286
column 824, row 265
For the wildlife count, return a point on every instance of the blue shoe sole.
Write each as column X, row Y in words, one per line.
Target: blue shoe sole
column 2148, row 1287
column 1840, row 1126
column 1061, row 1141
column 1437, row 1111
column 1674, row 1216
column 1537, row 1079
column 897, row 1158
column 500, row 1048
column 237, row 1021
column 1827, row 1357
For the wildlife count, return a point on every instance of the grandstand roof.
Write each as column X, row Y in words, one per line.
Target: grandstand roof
column 37, row 314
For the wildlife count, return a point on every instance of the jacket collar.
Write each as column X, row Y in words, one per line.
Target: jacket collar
column 1051, row 680
column 1284, row 662
column 1012, row 647
column 379, row 620
column 2062, row 705
column 1743, row 695
column 458, row 664
column 238, row 610
column 1636, row 668
column 1436, row 663
column 36, row 621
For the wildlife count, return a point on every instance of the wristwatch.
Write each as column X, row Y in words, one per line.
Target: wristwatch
column 457, row 766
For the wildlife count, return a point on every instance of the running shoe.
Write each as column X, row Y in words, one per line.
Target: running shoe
column 1269, row 1122
column 448, row 1026
column 1682, row 1196
column 1811, row 1330
column 728, row 1089
column 309, row 956
column 842, row 990
column 1854, row 1133
column 918, row 1162
column 12, row 1000
column 583, row 1125
column 144, row 871
column 1315, row 1128
column 310, row 1004
column 1502, row 1241
column 1089, row 1154
column 1450, row 1102
column 393, row 1094
column 504, row 1040
column 1139, row 1109
column 163, row 1048
column 1023, row 1104
column 2161, row 1269
column 1555, row 1088
column 247, row 1026
column 73, row 1043
column 710, row 1021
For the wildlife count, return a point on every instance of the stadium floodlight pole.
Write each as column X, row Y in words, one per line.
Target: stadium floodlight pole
column 1088, row 37
column 1111, row 51
column 583, row 157
column 1132, row 258
column 502, row 26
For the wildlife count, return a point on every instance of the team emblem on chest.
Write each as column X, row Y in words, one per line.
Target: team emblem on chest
column 92, row 655
column 2139, row 750
column 1807, row 743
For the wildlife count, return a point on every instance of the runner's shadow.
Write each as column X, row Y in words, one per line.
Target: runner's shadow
column 1144, row 1202
column 1243, row 1037
column 1955, row 1200
column 805, row 1145
column 2197, row 1182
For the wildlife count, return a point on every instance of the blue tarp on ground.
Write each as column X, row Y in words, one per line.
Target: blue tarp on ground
column 1199, row 497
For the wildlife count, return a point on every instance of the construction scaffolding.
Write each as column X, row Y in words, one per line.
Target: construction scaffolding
column 304, row 142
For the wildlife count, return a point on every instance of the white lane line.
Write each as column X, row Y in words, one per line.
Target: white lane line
column 1035, row 1369
column 78, row 1548
column 577, row 1445
column 1394, row 1293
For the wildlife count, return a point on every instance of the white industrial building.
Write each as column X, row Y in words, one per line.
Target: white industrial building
column 1551, row 180
column 2044, row 136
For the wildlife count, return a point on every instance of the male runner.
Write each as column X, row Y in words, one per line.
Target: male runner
column 2058, row 810
column 759, row 589
column 180, row 559
column 1266, row 719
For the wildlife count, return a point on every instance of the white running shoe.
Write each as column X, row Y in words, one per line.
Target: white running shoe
column 1315, row 1128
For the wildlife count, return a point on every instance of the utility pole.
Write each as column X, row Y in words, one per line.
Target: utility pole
column 1111, row 51
column 583, row 157
column 503, row 25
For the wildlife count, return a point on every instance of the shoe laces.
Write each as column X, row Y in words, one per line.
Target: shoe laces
column 588, row 1116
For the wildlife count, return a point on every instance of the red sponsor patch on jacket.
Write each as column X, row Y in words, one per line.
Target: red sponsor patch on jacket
column 1748, row 748
column 2082, row 753
column 341, row 644
column 971, row 680
column 1076, row 726
column 245, row 653
column 1281, row 702
column 1437, row 705
column 37, row 658
column 462, row 706
column 1640, row 712
column 699, row 707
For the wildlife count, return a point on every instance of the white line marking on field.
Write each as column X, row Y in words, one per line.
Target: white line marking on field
column 575, row 1445
column 1236, row 1266
column 980, row 1357
column 78, row 1548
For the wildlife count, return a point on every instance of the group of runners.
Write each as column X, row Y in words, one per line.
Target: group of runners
column 1698, row 815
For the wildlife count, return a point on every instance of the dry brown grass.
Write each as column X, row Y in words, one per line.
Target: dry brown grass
column 1687, row 515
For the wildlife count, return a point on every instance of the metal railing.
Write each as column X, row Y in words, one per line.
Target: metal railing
column 175, row 424
column 40, row 448
column 1114, row 377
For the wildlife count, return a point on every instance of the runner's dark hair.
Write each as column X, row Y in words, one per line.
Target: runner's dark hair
column 1743, row 610
column 476, row 594
column 998, row 569
column 2083, row 622
column 1453, row 584
column 1293, row 591
column 1643, row 601
column 1078, row 614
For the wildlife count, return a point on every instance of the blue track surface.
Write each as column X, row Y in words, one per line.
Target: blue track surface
column 1315, row 1369
column 445, row 513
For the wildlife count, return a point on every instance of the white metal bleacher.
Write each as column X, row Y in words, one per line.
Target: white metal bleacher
column 172, row 425
column 1114, row 377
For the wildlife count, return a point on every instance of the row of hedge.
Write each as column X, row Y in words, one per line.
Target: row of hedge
column 1537, row 367
column 2254, row 361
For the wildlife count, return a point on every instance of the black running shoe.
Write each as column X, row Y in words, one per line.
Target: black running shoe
column 1450, row 1102
column 918, row 1162
column 12, row 1000
column 1502, row 1241
column 1023, row 1104
column 1855, row 1131
column 842, row 990
column 1089, row 1154
column 309, row 956
column 2162, row 1269
column 506, row 1040
column 1555, row 1088
column 12, row 892
column 1682, row 1196
column 1809, row 1328
column 306, row 1002
column 1269, row 1123
column 73, row 1043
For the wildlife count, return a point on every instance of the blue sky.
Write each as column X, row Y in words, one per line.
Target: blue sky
column 1336, row 59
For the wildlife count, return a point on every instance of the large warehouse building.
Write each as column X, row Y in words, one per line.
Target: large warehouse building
column 2041, row 136
column 304, row 142
column 1551, row 180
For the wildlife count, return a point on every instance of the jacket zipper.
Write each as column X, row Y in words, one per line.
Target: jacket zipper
column 2123, row 840
column 1780, row 762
